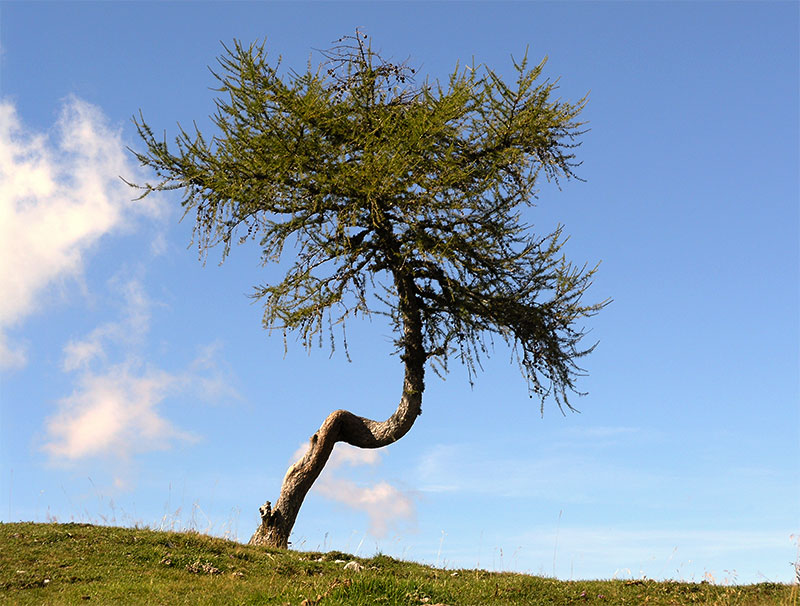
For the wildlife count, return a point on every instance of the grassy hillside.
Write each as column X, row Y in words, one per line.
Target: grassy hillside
column 80, row 564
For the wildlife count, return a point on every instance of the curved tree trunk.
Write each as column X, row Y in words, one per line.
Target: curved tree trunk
column 343, row 426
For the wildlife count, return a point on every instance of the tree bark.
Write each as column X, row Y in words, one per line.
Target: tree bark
column 344, row 426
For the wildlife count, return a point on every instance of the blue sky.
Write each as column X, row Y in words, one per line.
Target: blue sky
column 139, row 388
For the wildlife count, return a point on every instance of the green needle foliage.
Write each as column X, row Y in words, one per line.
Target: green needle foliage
column 392, row 198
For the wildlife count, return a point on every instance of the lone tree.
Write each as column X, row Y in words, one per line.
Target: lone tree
column 387, row 197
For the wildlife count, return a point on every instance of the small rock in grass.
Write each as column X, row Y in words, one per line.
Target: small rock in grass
column 202, row 568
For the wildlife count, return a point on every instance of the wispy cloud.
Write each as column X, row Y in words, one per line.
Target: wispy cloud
column 347, row 455
column 683, row 553
column 116, row 413
column 118, row 407
column 384, row 504
column 565, row 474
column 130, row 330
column 60, row 193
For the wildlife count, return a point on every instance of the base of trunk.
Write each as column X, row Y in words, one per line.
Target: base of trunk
column 271, row 531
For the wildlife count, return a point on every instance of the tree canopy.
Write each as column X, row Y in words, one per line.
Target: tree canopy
column 382, row 195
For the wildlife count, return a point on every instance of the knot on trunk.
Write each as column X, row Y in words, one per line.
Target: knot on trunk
column 266, row 512
column 272, row 532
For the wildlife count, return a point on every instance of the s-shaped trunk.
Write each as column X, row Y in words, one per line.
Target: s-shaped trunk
column 343, row 426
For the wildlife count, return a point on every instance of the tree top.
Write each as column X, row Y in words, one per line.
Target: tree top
column 380, row 193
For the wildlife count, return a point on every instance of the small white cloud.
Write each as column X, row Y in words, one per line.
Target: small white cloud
column 112, row 413
column 11, row 356
column 79, row 354
column 117, row 410
column 345, row 454
column 59, row 195
column 383, row 503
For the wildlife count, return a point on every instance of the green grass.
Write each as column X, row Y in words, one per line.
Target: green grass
column 85, row 564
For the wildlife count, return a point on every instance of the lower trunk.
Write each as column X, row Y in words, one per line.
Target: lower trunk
column 343, row 426
column 340, row 426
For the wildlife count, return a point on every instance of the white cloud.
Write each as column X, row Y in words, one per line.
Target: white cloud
column 79, row 354
column 345, row 454
column 113, row 413
column 116, row 409
column 383, row 503
column 11, row 357
column 59, row 194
